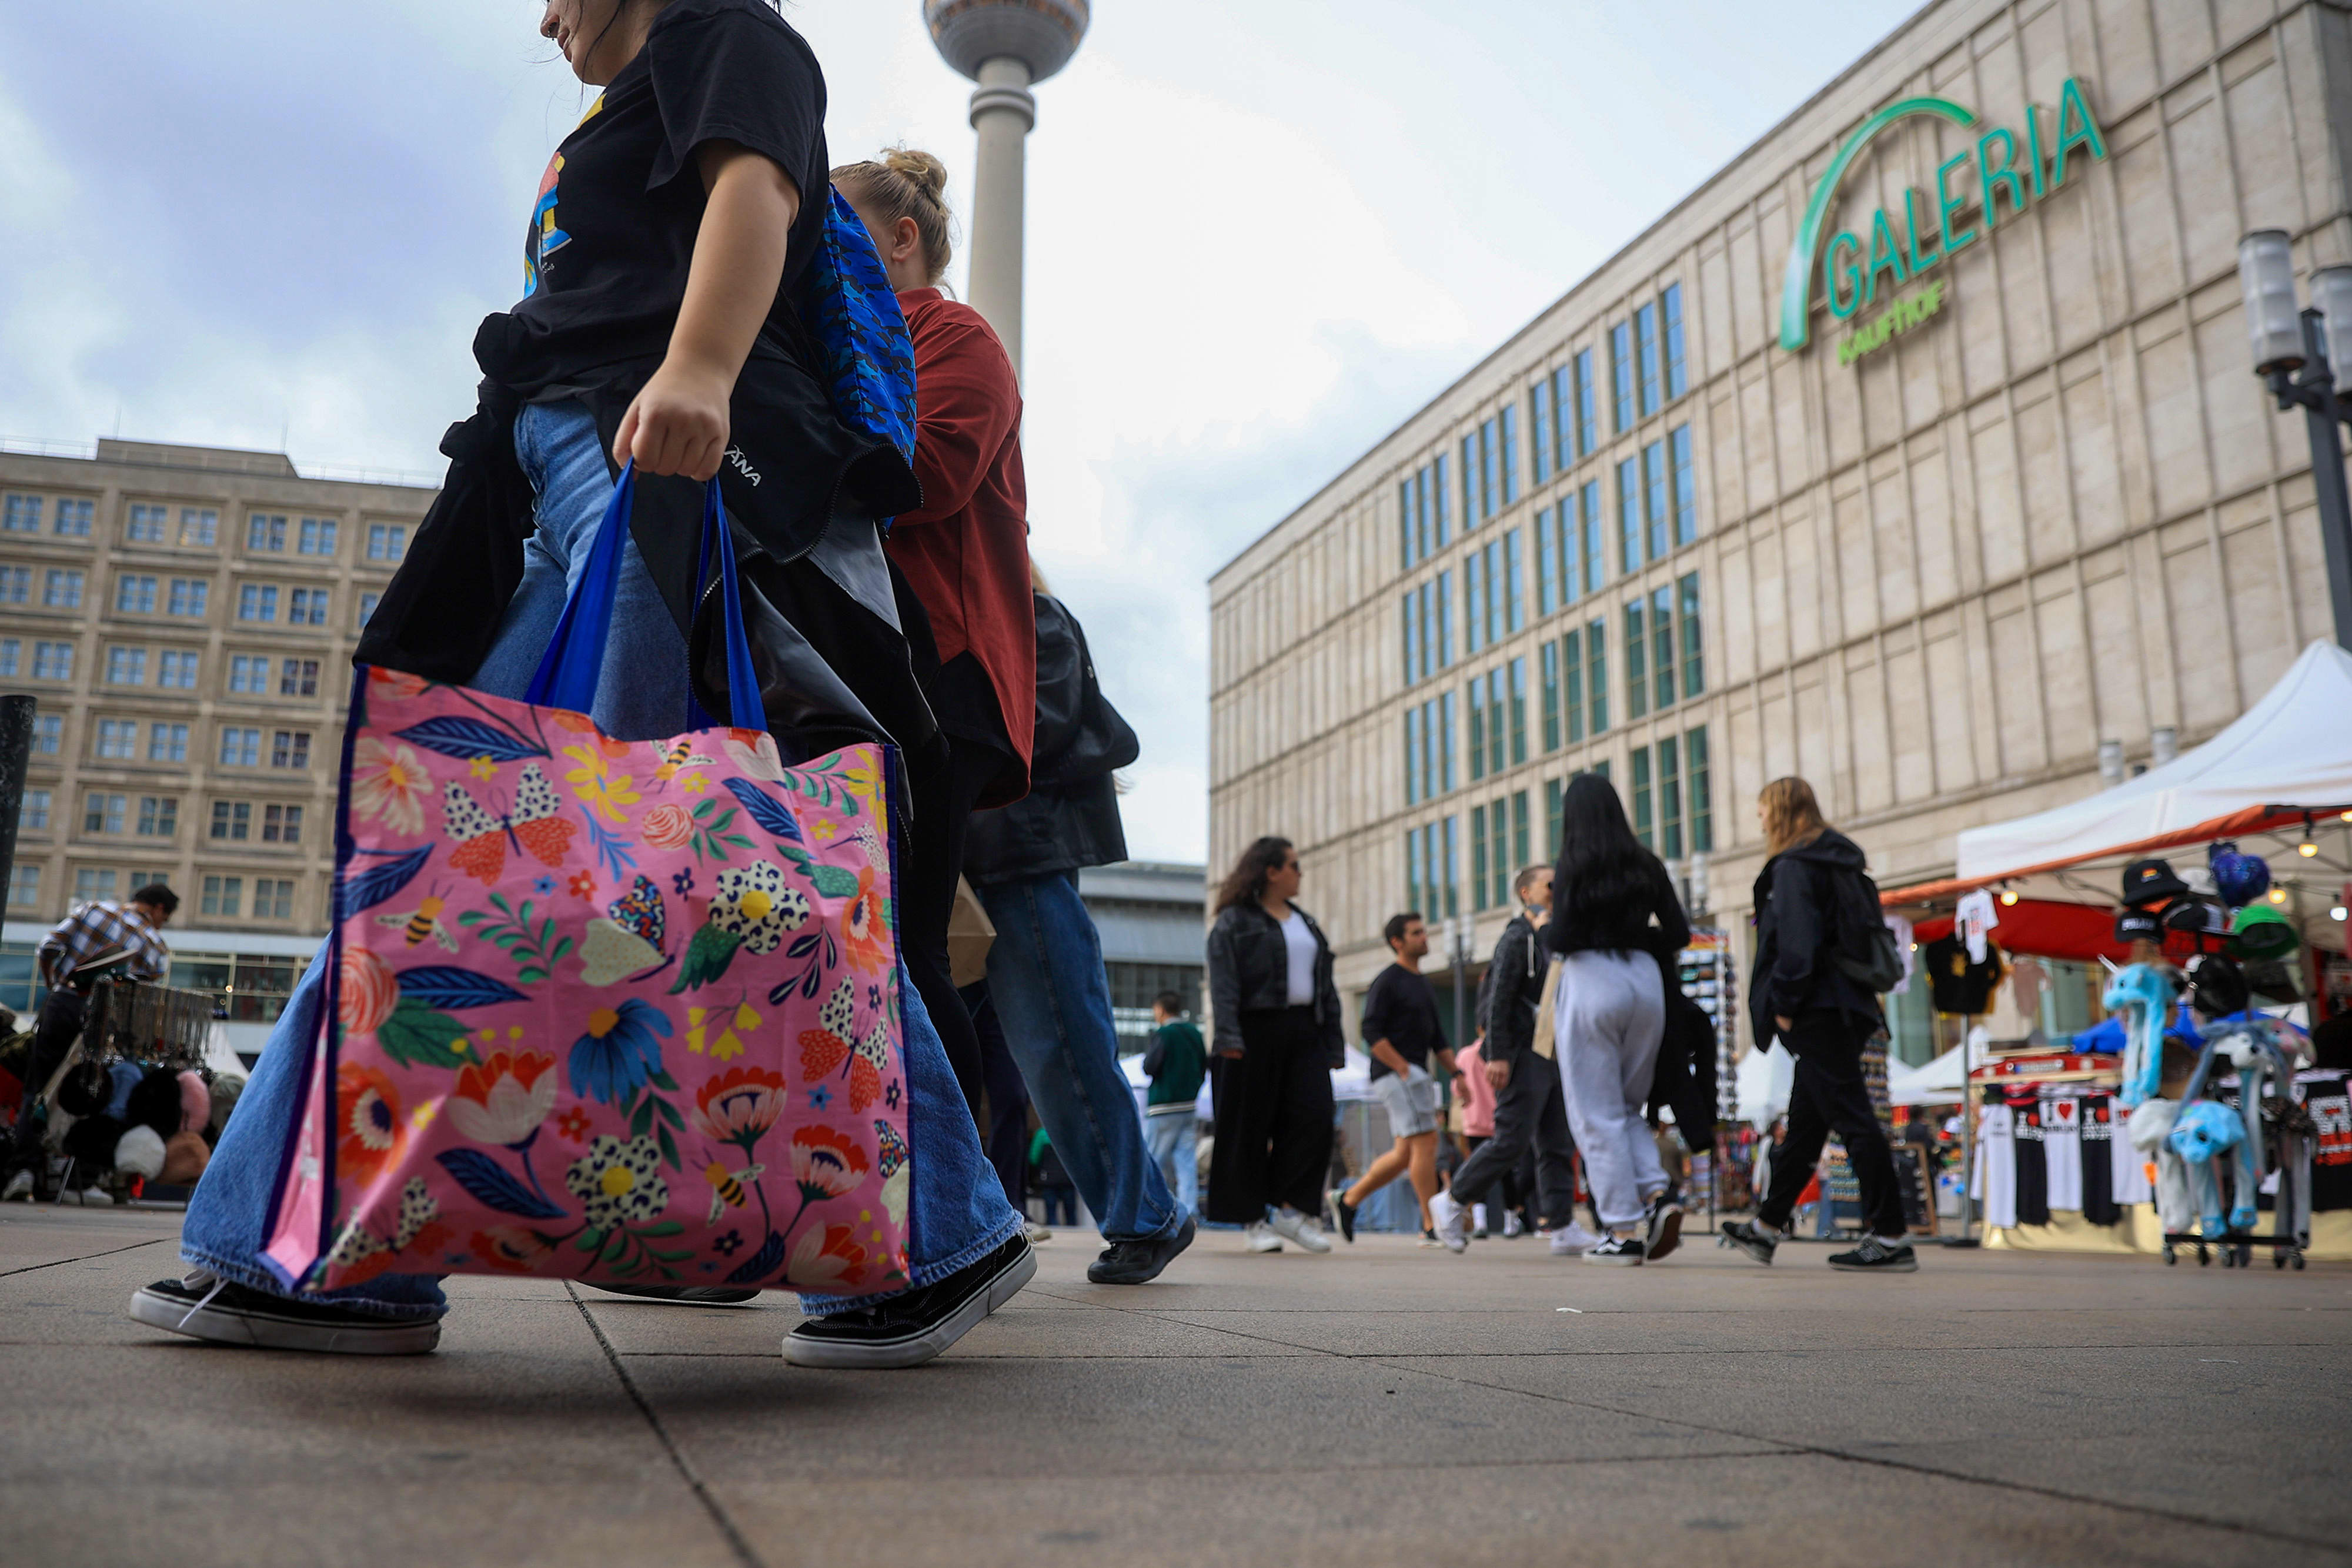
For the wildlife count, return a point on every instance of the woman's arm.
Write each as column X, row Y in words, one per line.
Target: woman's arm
column 967, row 403
column 678, row 422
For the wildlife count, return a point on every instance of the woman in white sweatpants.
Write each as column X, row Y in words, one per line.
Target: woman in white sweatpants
column 1614, row 912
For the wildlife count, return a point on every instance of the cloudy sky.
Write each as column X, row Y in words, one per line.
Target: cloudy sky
column 1261, row 232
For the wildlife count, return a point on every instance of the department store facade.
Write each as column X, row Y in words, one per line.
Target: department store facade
column 1831, row 472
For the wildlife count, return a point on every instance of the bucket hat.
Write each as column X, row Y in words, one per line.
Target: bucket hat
column 2262, row 931
column 2151, row 882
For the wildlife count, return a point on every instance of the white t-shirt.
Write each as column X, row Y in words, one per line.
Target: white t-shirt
column 1301, row 943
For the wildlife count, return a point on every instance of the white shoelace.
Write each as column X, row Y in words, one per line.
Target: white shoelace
column 219, row 1284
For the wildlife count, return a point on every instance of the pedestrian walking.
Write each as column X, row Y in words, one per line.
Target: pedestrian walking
column 656, row 326
column 124, row 939
column 1531, row 1111
column 1809, row 896
column 1277, row 1031
column 1177, row 1062
column 1615, row 919
column 1046, row 974
column 963, row 554
column 1403, row 1037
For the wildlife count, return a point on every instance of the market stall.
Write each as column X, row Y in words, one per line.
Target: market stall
column 2258, row 824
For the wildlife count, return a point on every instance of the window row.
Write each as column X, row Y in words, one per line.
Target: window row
column 189, row 596
column 158, row 817
column 1672, row 791
column 1499, row 850
column 151, row 523
column 50, row 661
column 258, row 603
column 270, row 897
column 1657, row 514
column 175, row 668
column 22, row 515
column 241, row 746
column 60, row 587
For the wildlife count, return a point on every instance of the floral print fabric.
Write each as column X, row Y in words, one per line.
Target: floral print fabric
column 602, row 1011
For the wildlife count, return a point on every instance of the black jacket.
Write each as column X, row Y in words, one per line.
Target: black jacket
column 1517, row 978
column 1070, row 816
column 1684, row 1080
column 1625, row 927
column 1249, row 971
column 1796, row 931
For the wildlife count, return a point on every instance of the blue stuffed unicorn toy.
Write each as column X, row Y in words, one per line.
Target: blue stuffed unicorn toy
column 2144, row 995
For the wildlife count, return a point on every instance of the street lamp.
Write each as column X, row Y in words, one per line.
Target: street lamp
column 2285, row 340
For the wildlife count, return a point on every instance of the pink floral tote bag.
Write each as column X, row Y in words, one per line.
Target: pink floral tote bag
column 620, row 1011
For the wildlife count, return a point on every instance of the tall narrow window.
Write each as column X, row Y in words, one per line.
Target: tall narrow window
column 1412, row 868
column 1446, row 743
column 1437, row 509
column 1596, row 675
column 1702, row 798
column 1474, row 580
column 1476, row 702
column 1670, row 305
column 1661, row 646
column 1567, row 562
column 1549, row 669
column 1519, row 711
column 1555, row 809
column 1629, row 517
column 1694, row 663
column 1678, row 446
column 1539, row 428
column 1507, row 427
column 1405, row 525
column 1414, row 763
column 1595, row 564
column 1547, row 562
column 1653, row 487
column 1444, row 598
column 1644, row 827
column 1646, row 341
column 1588, row 408
column 1571, row 686
column 1499, row 828
column 1520, row 851
column 1620, row 375
column 1670, row 800
column 1494, row 702
column 1472, row 513
column 1515, row 615
column 1637, row 661
column 1477, row 857
column 1453, row 873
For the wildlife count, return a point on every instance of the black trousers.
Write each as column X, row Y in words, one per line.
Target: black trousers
column 946, row 779
column 1273, row 1119
column 1829, row 1095
column 1005, row 1139
column 1515, row 1186
column 53, row 1035
column 1530, row 1113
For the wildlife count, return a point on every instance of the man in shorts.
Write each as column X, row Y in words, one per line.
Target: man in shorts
column 1402, row 1031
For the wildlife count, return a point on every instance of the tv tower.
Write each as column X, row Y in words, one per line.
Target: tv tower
column 1007, row 47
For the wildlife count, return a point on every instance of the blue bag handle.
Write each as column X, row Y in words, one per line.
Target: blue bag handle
column 568, row 674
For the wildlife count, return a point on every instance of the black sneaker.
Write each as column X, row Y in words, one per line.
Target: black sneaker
column 908, row 1330
column 1750, row 1238
column 1139, row 1262
column 692, row 1295
column 1621, row 1250
column 203, row 1306
column 1345, row 1213
column 1878, row 1255
column 1666, row 1226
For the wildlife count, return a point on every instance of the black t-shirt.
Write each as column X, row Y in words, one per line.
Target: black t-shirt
column 1401, row 1009
column 611, row 234
column 1956, row 984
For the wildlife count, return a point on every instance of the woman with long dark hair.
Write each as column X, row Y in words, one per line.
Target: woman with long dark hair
column 1614, row 913
column 1277, row 1031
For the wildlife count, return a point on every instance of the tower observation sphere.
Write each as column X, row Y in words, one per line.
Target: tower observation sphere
column 1006, row 47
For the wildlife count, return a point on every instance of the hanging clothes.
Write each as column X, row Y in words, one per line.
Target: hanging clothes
column 2062, row 1144
column 1972, row 919
column 1993, row 1183
column 2032, row 1158
column 2099, row 1161
column 1903, row 940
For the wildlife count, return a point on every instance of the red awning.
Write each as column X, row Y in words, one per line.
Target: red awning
column 2048, row 928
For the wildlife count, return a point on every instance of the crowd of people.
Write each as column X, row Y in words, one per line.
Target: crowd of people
column 656, row 331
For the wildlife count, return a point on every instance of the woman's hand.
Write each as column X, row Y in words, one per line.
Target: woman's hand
column 1498, row 1075
column 1783, row 1025
column 678, row 423
column 1231, row 1055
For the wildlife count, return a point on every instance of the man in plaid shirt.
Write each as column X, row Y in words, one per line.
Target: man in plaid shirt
column 95, row 928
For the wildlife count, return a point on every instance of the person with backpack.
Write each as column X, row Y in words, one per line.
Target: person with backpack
column 1822, row 955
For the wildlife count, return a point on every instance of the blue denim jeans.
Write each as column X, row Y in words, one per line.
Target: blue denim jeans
column 1175, row 1145
column 1045, row 975
column 956, row 1209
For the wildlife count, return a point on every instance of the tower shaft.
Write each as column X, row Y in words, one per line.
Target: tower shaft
column 1002, row 110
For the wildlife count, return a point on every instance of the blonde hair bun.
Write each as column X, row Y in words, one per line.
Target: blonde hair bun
column 925, row 172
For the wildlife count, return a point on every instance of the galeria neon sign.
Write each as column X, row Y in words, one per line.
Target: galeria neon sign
column 1897, row 252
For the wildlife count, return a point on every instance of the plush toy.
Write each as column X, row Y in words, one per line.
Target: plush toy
column 140, row 1152
column 2143, row 995
column 196, row 1103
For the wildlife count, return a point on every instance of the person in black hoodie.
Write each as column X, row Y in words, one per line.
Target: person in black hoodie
column 1529, row 1109
column 1803, row 996
column 1277, row 1028
column 1046, row 975
column 1614, row 917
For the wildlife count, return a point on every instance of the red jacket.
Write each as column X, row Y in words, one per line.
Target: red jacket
column 966, row 553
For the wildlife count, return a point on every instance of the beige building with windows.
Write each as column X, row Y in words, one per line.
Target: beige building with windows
column 1990, row 490
column 186, row 617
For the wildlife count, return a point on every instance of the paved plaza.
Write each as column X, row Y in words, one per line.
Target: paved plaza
column 1385, row 1405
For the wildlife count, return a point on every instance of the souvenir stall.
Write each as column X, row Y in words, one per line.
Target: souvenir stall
column 2208, row 1112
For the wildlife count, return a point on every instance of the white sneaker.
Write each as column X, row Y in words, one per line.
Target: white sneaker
column 20, row 1185
column 1512, row 1228
column 1571, row 1239
column 1449, row 1217
column 1259, row 1237
column 1303, row 1228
